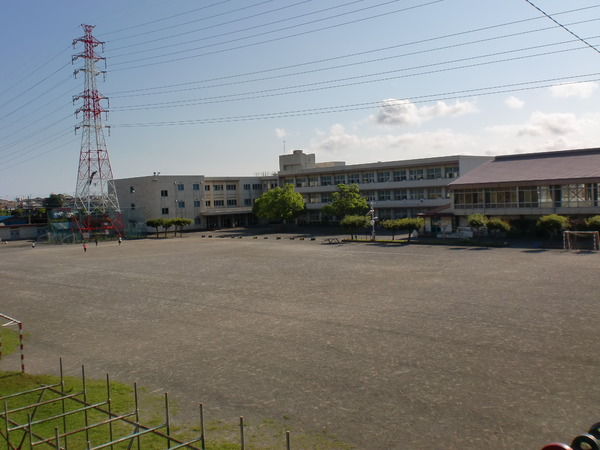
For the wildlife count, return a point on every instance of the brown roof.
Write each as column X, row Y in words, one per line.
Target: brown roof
column 533, row 168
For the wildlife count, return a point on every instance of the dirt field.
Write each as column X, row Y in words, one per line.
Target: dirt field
column 407, row 347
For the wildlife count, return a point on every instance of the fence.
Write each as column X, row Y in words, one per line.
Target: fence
column 45, row 416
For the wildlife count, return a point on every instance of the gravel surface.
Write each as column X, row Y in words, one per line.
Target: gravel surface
column 383, row 347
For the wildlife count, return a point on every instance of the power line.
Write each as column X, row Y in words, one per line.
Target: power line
column 350, row 81
column 206, row 28
column 564, row 28
column 368, row 105
column 352, row 55
column 280, row 38
column 340, row 66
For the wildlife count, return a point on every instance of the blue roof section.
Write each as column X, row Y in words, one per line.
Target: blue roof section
column 3, row 218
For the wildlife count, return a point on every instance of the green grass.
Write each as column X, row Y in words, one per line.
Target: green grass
column 220, row 435
column 10, row 340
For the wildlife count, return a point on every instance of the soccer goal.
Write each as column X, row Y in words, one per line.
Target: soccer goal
column 574, row 240
column 6, row 323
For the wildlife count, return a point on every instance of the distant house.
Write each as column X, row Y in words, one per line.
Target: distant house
column 13, row 228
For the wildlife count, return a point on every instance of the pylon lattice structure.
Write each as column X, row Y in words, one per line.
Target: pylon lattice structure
column 96, row 199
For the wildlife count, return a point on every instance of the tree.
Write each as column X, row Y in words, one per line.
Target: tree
column 552, row 224
column 279, row 204
column 166, row 224
column 155, row 223
column 53, row 201
column 355, row 223
column 346, row 201
column 495, row 224
column 411, row 224
column 392, row 225
column 180, row 222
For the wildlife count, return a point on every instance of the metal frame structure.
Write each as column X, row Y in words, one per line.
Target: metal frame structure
column 570, row 239
column 9, row 321
column 18, row 434
column 96, row 199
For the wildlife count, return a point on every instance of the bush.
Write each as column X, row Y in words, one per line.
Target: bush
column 477, row 220
column 593, row 223
column 552, row 224
column 498, row 225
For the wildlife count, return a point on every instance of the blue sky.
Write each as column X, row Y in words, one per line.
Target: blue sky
column 222, row 87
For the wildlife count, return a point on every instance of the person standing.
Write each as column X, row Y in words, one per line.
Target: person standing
column 120, row 240
column 85, row 247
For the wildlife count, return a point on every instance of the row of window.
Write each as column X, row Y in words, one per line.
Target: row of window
column 429, row 173
column 571, row 195
column 386, row 195
column 208, row 203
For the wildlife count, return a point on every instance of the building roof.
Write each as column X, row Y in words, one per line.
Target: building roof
column 534, row 168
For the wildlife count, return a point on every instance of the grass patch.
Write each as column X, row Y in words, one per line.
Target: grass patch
column 10, row 340
column 46, row 418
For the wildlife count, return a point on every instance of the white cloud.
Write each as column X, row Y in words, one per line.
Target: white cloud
column 583, row 90
column 405, row 112
column 280, row 133
column 514, row 103
column 338, row 140
column 358, row 149
column 541, row 124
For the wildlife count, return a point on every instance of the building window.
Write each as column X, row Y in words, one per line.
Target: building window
column 434, row 173
column 217, row 187
column 383, row 177
column 399, row 175
column 165, row 211
column 196, row 203
column 371, row 196
column 181, row 204
column 384, row 196
column 247, row 187
column 219, row 203
column 415, row 174
column 451, row 172
column 325, row 198
column 313, row 181
column 257, row 187
column 164, row 193
column 314, row 198
column 131, row 189
column 326, row 180
column 247, row 202
column 133, row 206
column 354, row 178
column 196, row 186
column 369, row 177
column 231, row 187
column 207, row 187
column 207, row 203
column 232, row 202
column 339, row 179
column 417, row 194
column 400, row 194
column 434, row 193
column 180, row 187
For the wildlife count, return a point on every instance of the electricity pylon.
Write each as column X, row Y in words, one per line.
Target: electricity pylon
column 95, row 195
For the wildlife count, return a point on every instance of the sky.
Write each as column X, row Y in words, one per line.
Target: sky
column 223, row 87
